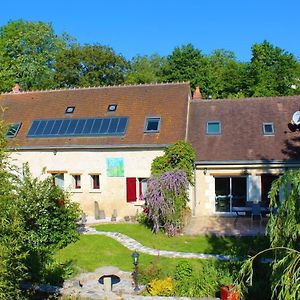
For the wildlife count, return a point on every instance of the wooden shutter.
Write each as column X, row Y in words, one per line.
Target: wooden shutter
column 131, row 189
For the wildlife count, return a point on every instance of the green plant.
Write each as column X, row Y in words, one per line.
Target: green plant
column 161, row 287
column 184, row 270
column 148, row 274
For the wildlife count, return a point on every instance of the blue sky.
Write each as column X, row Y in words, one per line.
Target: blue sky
column 144, row 27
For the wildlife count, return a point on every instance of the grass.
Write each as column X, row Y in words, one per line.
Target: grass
column 92, row 251
column 238, row 246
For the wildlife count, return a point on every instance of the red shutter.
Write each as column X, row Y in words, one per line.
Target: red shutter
column 131, row 189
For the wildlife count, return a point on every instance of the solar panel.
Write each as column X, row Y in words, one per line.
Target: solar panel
column 108, row 126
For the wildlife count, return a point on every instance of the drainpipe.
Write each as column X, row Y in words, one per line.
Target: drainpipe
column 194, row 204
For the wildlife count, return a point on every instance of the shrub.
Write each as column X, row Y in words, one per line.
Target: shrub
column 161, row 287
column 184, row 270
column 151, row 273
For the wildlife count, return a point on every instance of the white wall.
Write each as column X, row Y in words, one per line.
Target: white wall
column 112, row 193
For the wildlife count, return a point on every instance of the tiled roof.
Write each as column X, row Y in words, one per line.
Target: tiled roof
column 169, row 101
column 241, row 135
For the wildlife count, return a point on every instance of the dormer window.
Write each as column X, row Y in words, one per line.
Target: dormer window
column 70, row 109
column 112, row 107
column 268, row 128
column 152, row 124
column 213, row 128
column 13, row 129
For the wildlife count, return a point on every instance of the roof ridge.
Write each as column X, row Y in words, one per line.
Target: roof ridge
column 97, row 87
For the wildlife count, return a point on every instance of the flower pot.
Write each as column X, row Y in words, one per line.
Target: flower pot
column 229, row 292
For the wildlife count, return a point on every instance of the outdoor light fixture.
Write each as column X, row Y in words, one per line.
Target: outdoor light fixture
column 135, row 259
column 205, row 171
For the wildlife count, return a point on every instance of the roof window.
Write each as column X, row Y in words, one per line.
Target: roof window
column 70, row 109
column 268, row 128
column 213, row 127
column 152, row 124
column 112, row 107
column 13, row 129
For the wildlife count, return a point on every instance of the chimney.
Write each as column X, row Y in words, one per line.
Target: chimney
column 17, row 88
column 197, row 94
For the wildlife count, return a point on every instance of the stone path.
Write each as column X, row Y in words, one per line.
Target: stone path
column 133, row 245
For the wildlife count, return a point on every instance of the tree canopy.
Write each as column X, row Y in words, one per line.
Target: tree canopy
column 32, row 54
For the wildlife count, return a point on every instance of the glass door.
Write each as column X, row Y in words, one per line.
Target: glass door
column 230, row 192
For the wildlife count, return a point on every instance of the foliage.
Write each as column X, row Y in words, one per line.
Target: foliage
column 12, row 233
column 147, row 274
column 272, row 70
column 161, row 287
column 89, row 65
column 284, row 232
column 165, row 198
column 180, row 155
column 205, row 282
column 184, row 270
column 185, row 63
column 145, row 69
column 27, row 53
column 49, row 219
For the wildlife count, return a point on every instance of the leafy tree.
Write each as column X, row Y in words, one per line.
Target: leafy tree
column 12, row 257
column 273, row 71
column 284, row 232
column 180, row 155
column 49, row 220
column 144, row 69
column 27, row 54
column 89, row 65
column 185, row 63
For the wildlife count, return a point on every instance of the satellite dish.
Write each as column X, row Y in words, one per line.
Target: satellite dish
column 296, row 118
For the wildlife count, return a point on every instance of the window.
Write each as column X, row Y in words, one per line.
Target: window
column 95, row 181
column 213, row 128
column 13, row 129
column 142, row 187
column 112, row 107
column 268, row 128
column 70, row 109
column 152, row 124
column 76, row 181
column 58, row 179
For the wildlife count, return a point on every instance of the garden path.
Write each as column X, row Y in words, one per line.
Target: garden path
column 134, row 245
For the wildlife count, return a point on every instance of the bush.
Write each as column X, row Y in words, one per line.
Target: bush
column 161, row 287
column 184, row 270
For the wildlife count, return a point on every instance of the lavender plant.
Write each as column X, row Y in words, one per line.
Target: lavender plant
column 165, row 198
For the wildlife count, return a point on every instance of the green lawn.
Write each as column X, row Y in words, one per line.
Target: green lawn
column 198, row 244
column 93, row 251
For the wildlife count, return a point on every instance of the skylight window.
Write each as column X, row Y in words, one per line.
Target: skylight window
column 70, row 109
column 112, row 107
column 213, row 128
column 152, row 124
column 268, row 128
column 13, row 129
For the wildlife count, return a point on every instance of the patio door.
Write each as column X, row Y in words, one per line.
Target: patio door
column 230, row 192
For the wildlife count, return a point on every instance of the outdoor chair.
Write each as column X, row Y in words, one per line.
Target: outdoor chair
column 256, row 213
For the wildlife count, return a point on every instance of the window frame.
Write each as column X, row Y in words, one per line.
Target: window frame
column 93, row 186
column 150, row 118
column 213, row 133
column 13, row 126
column 76, row 181
column 109, row 110
column 70, row 110
column 264, row 128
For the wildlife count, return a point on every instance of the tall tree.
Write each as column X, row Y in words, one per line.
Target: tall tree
column 145, row 69
column 89, row 65
column 273, row 71
column 27, row 53
column 186, row 63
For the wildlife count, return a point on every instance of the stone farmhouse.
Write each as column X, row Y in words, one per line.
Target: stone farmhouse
column 99, row 143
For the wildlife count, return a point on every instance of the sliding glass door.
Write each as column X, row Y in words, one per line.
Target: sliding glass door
column 230, row 192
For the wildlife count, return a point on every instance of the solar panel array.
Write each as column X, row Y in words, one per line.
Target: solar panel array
column 110, row 126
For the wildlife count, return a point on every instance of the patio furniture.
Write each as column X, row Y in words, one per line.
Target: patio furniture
column 256, row 212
